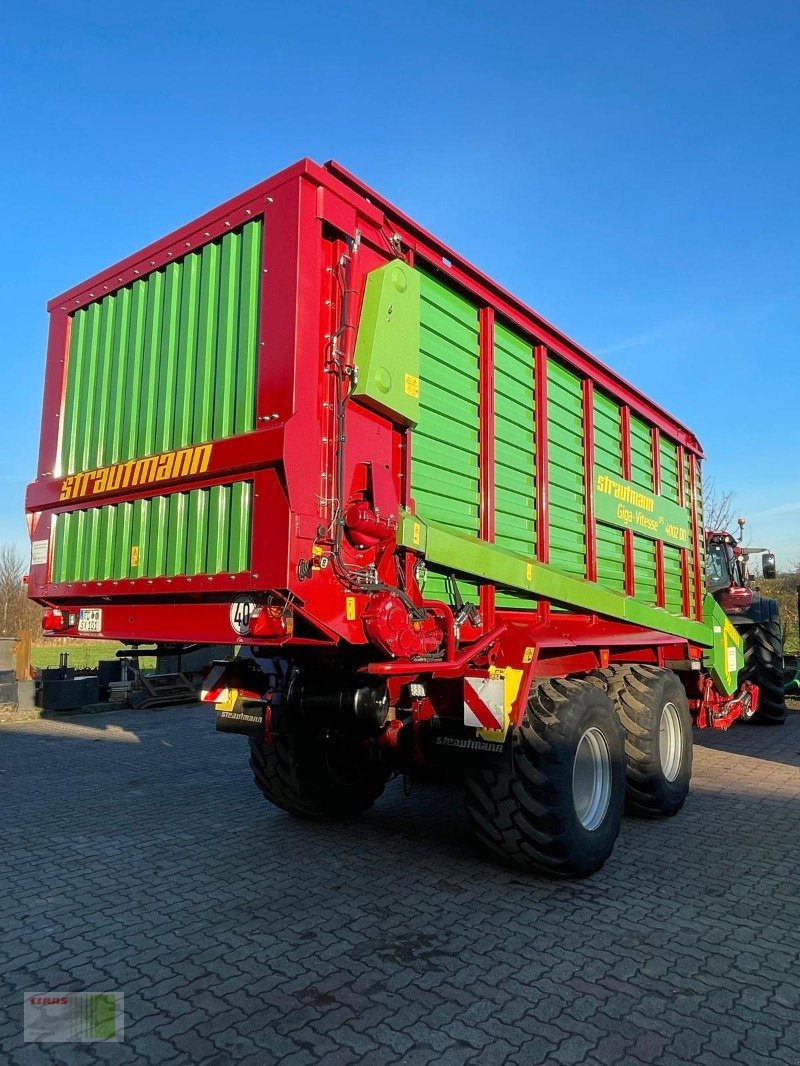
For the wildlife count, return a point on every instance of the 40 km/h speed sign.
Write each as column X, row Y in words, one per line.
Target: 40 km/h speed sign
column 242, row 610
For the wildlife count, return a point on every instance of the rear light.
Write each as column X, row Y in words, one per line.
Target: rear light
column 272, row 622
column 54, row 621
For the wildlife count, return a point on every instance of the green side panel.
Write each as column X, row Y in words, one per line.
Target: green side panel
column 670, row 486
column 644, row 551
column 725, row 657
column 444, row 450
column 608, row 455
column 204, row 531
column 641, row 455
column 644, row 569
column 610, row 558
column 669, row 470
column 168, row 360
column 689, row 488
column 514, row 451
column 672, row 579
column 387, row 346
column 672, row 556
column 566, row 489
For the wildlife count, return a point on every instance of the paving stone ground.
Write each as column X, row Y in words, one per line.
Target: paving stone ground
column 137, row 854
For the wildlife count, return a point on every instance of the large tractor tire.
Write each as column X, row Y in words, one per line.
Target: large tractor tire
column 556, row 806
column 316, row 775
column 763, row 665
column 652, row 708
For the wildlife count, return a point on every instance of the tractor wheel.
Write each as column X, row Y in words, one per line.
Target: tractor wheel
column 316, row 775
column 652, row 708
column 763, row 665
column 556, row 806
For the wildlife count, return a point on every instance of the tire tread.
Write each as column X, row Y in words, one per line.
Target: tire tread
column 518, row 813
column 636, row 690
column 763, row 665
column 290, row 772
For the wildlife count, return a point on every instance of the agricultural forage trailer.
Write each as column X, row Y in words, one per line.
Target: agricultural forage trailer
column 438, row 531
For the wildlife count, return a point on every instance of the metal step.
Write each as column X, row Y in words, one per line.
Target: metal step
column 160, row 690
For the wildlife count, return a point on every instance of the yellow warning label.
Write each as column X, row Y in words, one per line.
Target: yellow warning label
column 135, row 555
column 416, row 533
column 731, row 642
column 528, row 655
column 350, row 608
column 412, row 386
column 529, row 571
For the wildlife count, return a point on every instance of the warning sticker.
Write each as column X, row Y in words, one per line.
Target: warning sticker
column 484, row 699
column 38, row 552
column 731, row 653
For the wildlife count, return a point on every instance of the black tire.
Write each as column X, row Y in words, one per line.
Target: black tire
column 525, row 813
column 657, row 775
column 763, row 665
column 316, row 775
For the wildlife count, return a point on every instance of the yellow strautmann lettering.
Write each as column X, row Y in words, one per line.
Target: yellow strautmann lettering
column 624, row 493
column 135, row 473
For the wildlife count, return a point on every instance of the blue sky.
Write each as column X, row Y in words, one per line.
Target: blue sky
column 628, row 169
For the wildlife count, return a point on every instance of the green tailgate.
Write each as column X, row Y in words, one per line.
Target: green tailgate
column 203, row 531
column 167, row 361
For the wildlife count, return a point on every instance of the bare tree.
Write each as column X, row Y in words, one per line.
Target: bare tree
column 17, row 612
column 717, row 506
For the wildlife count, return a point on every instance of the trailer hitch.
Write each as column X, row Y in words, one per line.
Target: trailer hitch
column 716, row 712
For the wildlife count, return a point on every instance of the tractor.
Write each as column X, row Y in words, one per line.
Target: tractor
column 754, row 616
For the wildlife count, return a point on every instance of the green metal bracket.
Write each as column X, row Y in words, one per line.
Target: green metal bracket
column 465, row 554
column 387, row 346
column 724, row 658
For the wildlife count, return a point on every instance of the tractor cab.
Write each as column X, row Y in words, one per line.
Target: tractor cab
column 727, row 571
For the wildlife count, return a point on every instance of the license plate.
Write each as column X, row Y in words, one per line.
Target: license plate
column 90, row 620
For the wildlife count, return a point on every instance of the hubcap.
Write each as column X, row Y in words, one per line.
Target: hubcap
column 747, row 707
column 591, row 779
column 670, row 741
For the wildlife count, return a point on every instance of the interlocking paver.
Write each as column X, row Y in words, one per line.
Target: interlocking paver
column 137, row 854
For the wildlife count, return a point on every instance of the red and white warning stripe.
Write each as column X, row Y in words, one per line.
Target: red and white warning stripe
column 484, row 702
column 214, row 689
